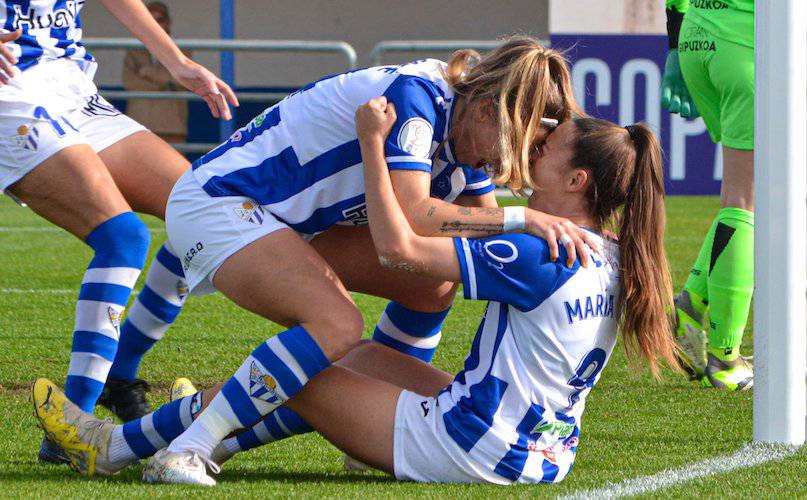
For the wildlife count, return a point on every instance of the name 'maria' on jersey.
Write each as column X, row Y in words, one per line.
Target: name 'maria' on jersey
column 301, row 159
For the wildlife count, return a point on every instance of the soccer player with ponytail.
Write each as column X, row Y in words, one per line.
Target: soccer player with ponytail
column 513, row 414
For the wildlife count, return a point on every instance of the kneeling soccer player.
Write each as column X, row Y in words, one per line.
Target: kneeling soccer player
column 513, row 414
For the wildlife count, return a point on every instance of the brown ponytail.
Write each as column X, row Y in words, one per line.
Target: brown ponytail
column 625, row 166
column 524, row 81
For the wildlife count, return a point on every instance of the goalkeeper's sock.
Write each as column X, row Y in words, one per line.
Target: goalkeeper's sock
column 696, row 283
column 730, row 281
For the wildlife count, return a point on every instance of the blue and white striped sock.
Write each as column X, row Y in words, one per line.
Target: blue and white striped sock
column 155, row 308
column 142, row 438
column 280, row 424
column 121, row 245
column 274, row 373
column 410, row 332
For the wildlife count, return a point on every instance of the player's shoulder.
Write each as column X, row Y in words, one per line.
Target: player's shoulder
column 426, row 76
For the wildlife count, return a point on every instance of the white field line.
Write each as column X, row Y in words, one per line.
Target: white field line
column 51, row 229
column 749, row 456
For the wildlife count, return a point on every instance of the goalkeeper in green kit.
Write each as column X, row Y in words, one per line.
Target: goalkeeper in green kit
column 710, row 72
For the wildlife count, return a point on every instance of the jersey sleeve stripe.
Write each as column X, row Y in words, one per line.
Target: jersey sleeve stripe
column 467, row 267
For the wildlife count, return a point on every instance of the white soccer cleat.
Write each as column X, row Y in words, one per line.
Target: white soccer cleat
column 352, row 465
column 221, row 454
column 185, row 467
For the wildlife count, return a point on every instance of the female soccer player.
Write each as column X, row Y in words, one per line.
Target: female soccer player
column 710, row 70
column 81, row 164
column 299, row 163
column 513, row 414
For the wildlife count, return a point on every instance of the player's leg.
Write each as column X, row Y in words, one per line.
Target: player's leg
column 74, row 190
column 412, row 322
column 692, row 303
column 731, row 262
column 145, row 169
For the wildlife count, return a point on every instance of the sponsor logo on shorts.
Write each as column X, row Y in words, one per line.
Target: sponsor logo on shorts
column 98, row 106
column 424, row 405
column 696, row 40
column 709, row 4
column 27, row 137
column 262, row 386
column 182, row 289
column 114, row 317
column 249, row 212
column 190, row 254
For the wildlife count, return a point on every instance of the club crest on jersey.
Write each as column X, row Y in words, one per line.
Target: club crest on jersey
column 250, row 212
column 261, row 385
column 114, row 317
column 27, row 137
column 415, row 137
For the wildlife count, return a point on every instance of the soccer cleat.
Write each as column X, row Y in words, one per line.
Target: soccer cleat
column 84, row 438
column 50, row 453
column 126, row 398
column 185, row 467
column 181, row 388
column 221, row 454
column 690, row 336
column 736, row 375
column 350, row 464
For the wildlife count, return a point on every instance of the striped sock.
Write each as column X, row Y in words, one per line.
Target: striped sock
column 271, row 375
column 280, row 424
column 142, row 438
column 121, row 244
column 410, row 332
column 155, row 308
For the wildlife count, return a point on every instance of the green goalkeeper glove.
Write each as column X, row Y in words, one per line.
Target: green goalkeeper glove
column 675, row 97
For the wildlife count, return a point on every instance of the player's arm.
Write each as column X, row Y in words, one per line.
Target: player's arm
column 7, row 59
column 674, row 94
column 487, row 200
column 195, row 77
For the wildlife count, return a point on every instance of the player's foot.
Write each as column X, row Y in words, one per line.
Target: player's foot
column 352, row 465
column 690, row 335
column 84, row 438
column 126, row 398
column 51, row 453
column 179, row 468
column 181, row 388
column 735, row 375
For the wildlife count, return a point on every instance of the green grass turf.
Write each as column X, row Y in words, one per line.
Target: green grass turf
column 632, row 425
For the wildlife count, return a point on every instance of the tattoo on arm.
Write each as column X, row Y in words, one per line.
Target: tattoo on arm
column 431, row 211
column 491, row 211
column 456, row 226
column 464, row 210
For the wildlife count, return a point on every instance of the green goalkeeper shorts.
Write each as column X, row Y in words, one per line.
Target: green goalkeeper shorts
column 719, row 75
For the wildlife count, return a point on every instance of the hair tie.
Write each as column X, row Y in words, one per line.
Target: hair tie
column 631, row 132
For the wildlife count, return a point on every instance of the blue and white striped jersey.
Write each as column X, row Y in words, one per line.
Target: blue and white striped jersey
column 301, row 159
column 51, row 29
column 546, row 335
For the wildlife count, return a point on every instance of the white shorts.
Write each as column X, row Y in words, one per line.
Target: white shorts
column 423, row 450
column 206, row 230
column 49, row 107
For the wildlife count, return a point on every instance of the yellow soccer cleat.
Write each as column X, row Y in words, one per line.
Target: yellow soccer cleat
column 180, row 388
column 735, row 375
column 84, row 438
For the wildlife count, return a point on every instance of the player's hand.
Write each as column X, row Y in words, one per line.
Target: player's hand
column 211, row 88
column 374, row 120
column 674, row 94
column 560, row 230
column 7, row 59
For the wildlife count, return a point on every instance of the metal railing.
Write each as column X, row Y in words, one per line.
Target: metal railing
column 304, row 46
column 431, row 46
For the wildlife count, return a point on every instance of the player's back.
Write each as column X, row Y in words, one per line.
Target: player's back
column 51, row 29
column 547, row 333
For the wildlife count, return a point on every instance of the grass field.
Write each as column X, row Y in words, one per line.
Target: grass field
column 632, row 427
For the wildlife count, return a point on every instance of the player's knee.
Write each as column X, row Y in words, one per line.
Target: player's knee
column 121, row 241
column 342, row 331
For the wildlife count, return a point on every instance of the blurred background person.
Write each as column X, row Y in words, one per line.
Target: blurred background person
column 142, row 71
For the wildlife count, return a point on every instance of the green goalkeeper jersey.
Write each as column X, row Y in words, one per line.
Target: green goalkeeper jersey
column 731, row 20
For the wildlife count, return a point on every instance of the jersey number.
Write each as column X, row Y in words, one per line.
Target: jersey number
column 586, row 374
